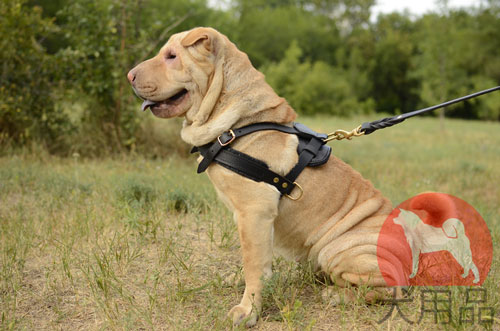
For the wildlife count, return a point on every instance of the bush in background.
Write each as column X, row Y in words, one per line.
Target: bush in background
column 28, row 78
column 63, row 63
column 314, row 87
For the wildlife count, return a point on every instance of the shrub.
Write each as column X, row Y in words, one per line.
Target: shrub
column 314, row 87
column 27, row 75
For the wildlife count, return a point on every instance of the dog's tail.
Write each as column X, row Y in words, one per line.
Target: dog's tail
column 438, row 206
column 453, row 228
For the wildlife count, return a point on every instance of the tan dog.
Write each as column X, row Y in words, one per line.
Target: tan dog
column 201, row 75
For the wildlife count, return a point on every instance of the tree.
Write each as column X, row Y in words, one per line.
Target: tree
column 105, row 39
column 265, row 31
column 349, row 15
column 27, row 76
column 436, row 59
column 313, row 87
column 393, row 88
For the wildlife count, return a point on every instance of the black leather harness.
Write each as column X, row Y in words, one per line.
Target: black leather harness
column 311, row 149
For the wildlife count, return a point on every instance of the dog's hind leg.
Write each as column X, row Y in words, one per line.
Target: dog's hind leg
column 466, row 262
column 477, row 277
column 415, row 255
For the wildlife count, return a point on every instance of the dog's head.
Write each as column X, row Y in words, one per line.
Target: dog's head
column 201, row 75
column 178, row 77
column 407, row 218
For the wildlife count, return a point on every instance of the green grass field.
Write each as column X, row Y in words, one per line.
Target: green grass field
column 131, row 243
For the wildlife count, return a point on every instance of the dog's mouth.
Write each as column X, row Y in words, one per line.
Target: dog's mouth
column 166, row 104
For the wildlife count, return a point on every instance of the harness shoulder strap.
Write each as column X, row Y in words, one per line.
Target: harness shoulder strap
column 307, row 154
column 252, row 168
column 247, row 166
column 229, row 136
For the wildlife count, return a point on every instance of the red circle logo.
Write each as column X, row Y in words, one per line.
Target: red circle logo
column 434, row 239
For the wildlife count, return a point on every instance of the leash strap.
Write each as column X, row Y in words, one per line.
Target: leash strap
column 370, row 127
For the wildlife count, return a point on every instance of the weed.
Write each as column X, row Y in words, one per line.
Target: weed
column 145, row 244
column 136, row 193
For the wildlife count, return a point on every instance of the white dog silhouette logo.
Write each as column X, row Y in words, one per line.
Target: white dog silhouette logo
column 425, row 238
column 434, row 239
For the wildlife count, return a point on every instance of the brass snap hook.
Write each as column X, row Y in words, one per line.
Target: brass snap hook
column 342, row 134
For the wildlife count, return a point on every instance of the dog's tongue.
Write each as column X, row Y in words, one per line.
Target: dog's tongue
column 146, row 104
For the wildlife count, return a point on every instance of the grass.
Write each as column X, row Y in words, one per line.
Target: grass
column 133, row 243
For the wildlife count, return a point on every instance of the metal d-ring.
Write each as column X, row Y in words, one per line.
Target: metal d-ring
column 300, row 195
column 233, row 136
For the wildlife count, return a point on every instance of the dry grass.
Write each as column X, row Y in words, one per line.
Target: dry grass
column 144, row 244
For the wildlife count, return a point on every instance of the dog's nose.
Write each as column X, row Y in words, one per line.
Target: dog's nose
column 131, row 76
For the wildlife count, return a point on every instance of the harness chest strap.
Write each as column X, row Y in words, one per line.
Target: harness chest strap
column 310, row 144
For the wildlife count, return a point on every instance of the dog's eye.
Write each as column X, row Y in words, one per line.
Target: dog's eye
column 170, row 56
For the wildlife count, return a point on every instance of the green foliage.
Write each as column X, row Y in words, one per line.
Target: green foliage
column 135, row 192
column 393, row 88
column 95, row 61
column 440, row 76
column 104, row 40
column 313, row 87
column 64, row 63
column 27, row 109
column 487, row 107
column 316, row 34
column 457, row 60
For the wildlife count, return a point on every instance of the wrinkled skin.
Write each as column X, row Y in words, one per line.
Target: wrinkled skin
column 202, row 76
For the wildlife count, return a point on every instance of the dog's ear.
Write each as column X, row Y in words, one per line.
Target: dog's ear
column 203, row 36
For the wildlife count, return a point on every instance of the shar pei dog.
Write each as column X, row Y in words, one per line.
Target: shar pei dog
column 202, row 76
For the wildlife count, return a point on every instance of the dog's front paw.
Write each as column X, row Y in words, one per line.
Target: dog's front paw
column 240, row 313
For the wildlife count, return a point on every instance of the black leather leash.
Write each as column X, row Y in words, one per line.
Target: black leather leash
column 370, row 127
